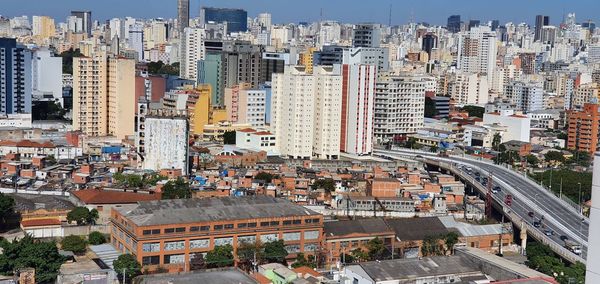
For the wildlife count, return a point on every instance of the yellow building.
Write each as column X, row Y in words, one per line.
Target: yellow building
column 215, row 131
column 306, row 59
column 199, row 108
column 104, row 95
column 43, row 27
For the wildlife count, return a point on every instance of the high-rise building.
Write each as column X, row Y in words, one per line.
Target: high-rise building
column 527, row 62
column 86, row 21
column 245, row 105
column 399, row 104
column 358, row 101
column 47, row 76
column 166, row 141
column 495, row 24
column 43, row 27
column 273, row 62
column 210, row 72
column 366, row 35
column 183, row 16
column 453, row 24
column 527, row 97
column 540, row 22
column 376, row 56
column 583, row 128
column 305, row 111
column 264, row 20
column 237, row 19
column 136, row 40
column 477, row 51
column 468, row 88
column 429, row 43
column 474, row 24
column 15, row 77
column 192, row 51
column 104, row 95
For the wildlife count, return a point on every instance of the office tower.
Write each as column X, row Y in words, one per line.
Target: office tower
column 183, row 16
column 592, row 274
column 273, row 62
column 245, row 105
column 192, row 51
column 474, row 24
column 47, row 76
column 136, row 40
column 166, row 141
column 264, row 20
column 306, row 110
column 43, row 27
column 429, row 43
column 399, row 104
column 366, row 35
column 358, row 99
column 495, row 24
column 237, row 19
column 329, row 55
column 468, row 89
column 589, row 25
column 453, row 24
column 368, row 56
column 210, row 72
column 306, row 58
column 526, row 97
column 86, row 21
column 548, row 34
column 104, row 95
column 527, row 62
column 116, row 28
column 15, row 77
column 540, row 21
column 477, row 51
column 583, row 128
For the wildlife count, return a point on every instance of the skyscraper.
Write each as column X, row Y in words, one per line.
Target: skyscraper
column 366, row 35
column 358, row 101
column 453, row 24
column 15, row 77
column 477, row 51
column 183, row 16
column 429, row 43
column 136, row 40
column 86, row 21
column 237, row 19
column 540, row 21
column 192, row 43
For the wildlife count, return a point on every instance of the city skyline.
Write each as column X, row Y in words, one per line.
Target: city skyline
column 352, row 12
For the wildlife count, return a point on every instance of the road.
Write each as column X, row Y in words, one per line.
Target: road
column 528, row 196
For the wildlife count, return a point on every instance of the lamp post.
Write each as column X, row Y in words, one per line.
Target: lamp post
column 580, row 207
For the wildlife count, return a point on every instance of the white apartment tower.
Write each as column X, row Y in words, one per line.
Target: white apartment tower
column 527, row 97
column 358, row 105
column 192, row 51
column 306, row 110
column 477, row 51
column 399, row 104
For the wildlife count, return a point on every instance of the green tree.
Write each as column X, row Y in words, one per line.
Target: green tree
column 275, row 251
column 96, row 238
column 229, row 138
column 220, row 256
column 433, row 148
column 430, row 109
column 359, row 255
column 532, row 160
column 67, row 59
column 302, row 260
column 554, row 156
column 475, row 111
column 197, row 262
column 496, row 141
column 376, row 249
column 126, row 265
column 411, row 143
column 580, row 158
column 267, row 177
column 82, row 216
column 246, row 254
column 450, row 240
column 73, row 243
column 28, row 252
column 47, row 110
column 7, row 206
column 328, row 184
column 431, row 246
column 178, row 189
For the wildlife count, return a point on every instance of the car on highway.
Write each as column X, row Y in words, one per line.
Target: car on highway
column 564, row 238
column 537, row 224
column 530, row 214
column 548, row 232
column 497, row 188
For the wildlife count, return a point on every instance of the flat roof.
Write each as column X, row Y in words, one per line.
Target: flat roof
column 225, row 276
column 183, row 211
column 360, row 226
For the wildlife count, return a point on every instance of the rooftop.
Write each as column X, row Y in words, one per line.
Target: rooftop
column 360, row 226
column 411, row 229
column 224, row 276
column 97, row 196
column 183, row 211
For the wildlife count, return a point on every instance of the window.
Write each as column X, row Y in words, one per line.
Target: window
column 287, row 222
column 177, row 245
column 151, row 247
column 169, row 230
column 292, row 248
column 297, row 222
column 252, row 225
column 174, row 258
column 228, row 226
column 204, row 228
column 274, row 223
column 180, row 230
column 264, row 224
column 218, row 227
column 194, row 229
column 150, row 260
column 152, row 232
column 223, row 241
column 316, row 220
column 197, row 244
column 269, row 238
column 246, row 239
column 295, row 236
column 242, row 225
column 311, row 235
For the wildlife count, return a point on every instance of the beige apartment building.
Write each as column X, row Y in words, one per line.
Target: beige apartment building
column 104, row 95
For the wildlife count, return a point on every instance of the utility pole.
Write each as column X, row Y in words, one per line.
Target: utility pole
column 123, row 275
column 489, row 199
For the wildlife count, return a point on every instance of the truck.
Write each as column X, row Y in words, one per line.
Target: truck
column 573, row 246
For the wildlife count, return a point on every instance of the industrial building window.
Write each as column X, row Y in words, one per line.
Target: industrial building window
column 150, row 260
column 242, row 225
column 194, row 229
column 311, row 235
column 196, row 244
column 274, row 223
column 297, row 222
column 151, row 247
column 169, row 230
column 251, row 225
column 204, row 228
column 180, row 230
column 228, row 226
column 218, row 227
column 178, row 245
column 287, row 222
column 295, row 236
column 174, row 258
column 316, row 220
column 264, row 224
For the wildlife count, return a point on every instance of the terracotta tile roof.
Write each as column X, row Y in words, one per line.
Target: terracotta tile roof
column 261, row 279
column 263, row 133
column 40, row 222
column 248, row 130
column 306, row 270
column 27, row 143
column 97, row 196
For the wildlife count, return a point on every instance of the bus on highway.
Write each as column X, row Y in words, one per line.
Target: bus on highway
column 573, row 246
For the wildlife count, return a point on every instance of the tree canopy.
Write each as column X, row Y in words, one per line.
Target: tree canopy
column 178, row 189
column 127, row 264
column 328, row 184
column 82, row 216
column 267, row 177
column 28, row 252
column 302, row 260
column 220, row 256
column 76, row 244
column 275, row 251
column 475, row 111
column 67, row 59
column 229, row 138
column 162, row 68
column 554, row 156
column 541, row 258
column 96, row 238
column 7, row 206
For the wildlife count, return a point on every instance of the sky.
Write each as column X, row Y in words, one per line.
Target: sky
column 347, row 11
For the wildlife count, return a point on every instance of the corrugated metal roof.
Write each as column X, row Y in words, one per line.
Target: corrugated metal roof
column 470, row 230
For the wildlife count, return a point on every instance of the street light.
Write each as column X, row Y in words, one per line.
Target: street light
column 580, row 207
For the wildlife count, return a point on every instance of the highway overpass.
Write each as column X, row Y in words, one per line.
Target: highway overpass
column 527, row 196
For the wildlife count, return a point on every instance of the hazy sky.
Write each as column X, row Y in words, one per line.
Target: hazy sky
column 350, row 11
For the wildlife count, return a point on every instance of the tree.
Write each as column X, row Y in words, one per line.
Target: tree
column 496, row 141
column 328, row 184
column 570, row 183
column 450, row 240
column 220, row 256
column 532, row 160
column 178, row 189
column 73, row 243
column 82, row 216
column 127, row 264
column 267, row 177
column 430, row 109
column 431, row 246
column 376, row 249
column 411, row 143
column 28, row 252
column 229, row 138
column 359, row 255
column 474, row 111
column 67, row 59
column 197, row 262
column 96, row 238
column 302, row 260
column 275, row 252
column 554, row 156
column 7, row 205
column 433, row 148
column 47, row 110
column 580, row 158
